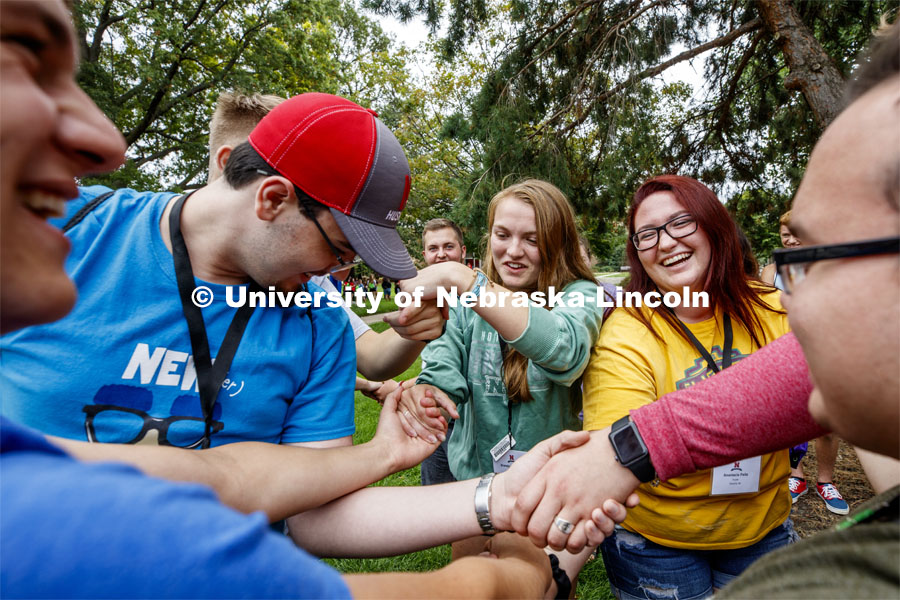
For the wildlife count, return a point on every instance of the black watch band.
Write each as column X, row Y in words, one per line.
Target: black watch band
column 630, row 449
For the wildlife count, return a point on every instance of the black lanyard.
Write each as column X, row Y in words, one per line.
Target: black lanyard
column 210, row 375
column 726, row 351
column 503, row 350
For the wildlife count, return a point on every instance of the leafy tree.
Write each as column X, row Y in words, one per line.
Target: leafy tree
column 156, row 67
column 574, row 96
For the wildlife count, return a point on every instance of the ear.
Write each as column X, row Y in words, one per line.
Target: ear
column 222, row 155
column 274, row 196
column 463, row 248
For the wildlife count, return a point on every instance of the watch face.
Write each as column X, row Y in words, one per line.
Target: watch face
column 628, row 445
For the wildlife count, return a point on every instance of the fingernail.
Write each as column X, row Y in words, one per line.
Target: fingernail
column 442, row 436
column 432, row 439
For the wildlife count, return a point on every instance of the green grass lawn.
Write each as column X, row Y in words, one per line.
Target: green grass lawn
column 384, row 307
column 591, row 584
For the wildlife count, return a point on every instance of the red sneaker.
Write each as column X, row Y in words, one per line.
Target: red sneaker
column 797, row 487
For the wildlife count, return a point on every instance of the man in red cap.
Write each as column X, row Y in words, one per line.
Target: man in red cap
column 157, row 350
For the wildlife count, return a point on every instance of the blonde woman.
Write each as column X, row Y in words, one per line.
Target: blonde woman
column 512, row 371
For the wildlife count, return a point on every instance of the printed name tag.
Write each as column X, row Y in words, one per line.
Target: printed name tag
column 739, row 477
column 507, row 460
column 506, row 443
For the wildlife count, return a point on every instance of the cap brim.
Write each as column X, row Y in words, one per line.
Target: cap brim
column 380, row 247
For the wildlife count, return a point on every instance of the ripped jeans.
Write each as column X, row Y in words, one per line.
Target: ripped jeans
column 639, row 569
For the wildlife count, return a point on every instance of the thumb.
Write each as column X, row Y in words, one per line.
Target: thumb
column 392, row 401
column 566, row 441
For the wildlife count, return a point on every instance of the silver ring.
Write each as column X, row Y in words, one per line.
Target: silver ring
column 406, row 414
column 564, row 526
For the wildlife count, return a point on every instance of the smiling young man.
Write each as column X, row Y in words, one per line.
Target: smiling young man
column 320, row 180
column 442, row 241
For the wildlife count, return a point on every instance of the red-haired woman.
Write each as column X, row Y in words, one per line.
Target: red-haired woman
column 694, row 533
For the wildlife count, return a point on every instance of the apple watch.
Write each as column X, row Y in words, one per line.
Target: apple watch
column 631, row 452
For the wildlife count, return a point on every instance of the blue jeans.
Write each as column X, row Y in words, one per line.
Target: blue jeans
column 639, row 569
column 436, row 468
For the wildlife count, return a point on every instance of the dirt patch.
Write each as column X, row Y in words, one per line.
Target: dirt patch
column 809, row 513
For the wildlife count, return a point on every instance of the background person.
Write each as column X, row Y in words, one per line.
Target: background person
column 827, row 445
column 442, row 241
column 682, row 236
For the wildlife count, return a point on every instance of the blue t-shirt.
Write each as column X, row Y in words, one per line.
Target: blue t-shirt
column 102, row 530
column 119, row 368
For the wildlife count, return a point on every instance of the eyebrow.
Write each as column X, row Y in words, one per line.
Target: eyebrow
column 526, row 234
column 671, row 217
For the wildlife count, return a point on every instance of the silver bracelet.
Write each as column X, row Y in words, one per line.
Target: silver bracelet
column 483, row 503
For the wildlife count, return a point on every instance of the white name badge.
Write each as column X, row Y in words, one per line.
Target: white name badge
column 507, row 460
column 503, row 454
column 738, row 477
column 506, row 443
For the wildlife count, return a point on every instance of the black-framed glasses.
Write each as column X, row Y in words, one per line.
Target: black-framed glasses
column 343, row 265
column 108, row 423
column 677, row 227
column 793, row 263
column 305, row 200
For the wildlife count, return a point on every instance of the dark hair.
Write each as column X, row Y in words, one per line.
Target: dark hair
column 442, row 223
column 726, row 284
column 245, row 165
column 751, row 265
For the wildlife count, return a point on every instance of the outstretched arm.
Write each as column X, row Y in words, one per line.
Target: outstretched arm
column 508, row 320
column 759, row 405
column 386, row 521
column 384, row 355
column 278, row 480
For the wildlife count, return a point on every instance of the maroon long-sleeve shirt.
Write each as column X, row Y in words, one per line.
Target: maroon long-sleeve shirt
column 759, row 405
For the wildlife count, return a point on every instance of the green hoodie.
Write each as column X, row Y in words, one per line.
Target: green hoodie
column 466, row 363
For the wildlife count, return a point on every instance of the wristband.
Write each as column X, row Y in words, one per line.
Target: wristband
column 483, row 503
column 481, row 281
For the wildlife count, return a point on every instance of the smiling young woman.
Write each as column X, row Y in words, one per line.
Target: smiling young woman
column 682, row 236
column 512, row 371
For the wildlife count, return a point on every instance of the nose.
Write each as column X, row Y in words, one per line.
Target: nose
column 665, row 240
column 514, row 248
column 87, row 136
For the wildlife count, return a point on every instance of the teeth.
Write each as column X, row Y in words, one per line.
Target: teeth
column 45, row 205
column 515, row 265
column 676, row 258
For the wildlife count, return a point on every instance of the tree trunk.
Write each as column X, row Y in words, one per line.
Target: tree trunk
column 811, row 69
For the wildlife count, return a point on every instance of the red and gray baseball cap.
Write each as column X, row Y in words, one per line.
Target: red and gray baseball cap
column 344, row 157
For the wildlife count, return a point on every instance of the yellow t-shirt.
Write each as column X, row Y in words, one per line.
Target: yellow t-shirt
column 629, row 367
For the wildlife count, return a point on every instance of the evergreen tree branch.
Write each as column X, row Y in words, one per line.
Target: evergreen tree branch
column 645, row 74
